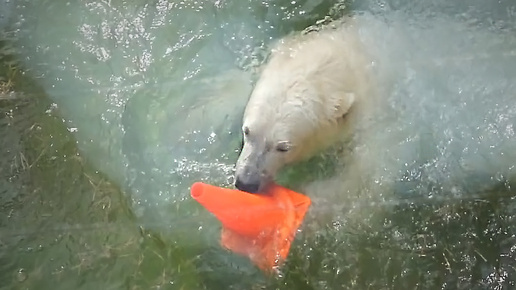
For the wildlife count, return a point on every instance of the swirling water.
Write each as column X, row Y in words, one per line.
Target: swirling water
column 151, row 95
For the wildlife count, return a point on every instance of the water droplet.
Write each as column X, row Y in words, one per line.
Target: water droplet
column 21, row 275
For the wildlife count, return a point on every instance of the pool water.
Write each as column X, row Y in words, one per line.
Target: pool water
column 112, row 109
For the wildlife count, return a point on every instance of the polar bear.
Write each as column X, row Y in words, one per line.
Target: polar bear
column 303, row 101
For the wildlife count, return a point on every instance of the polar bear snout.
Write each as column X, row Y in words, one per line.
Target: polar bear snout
column 252, row 172
column 247, row 178
column 247, row 184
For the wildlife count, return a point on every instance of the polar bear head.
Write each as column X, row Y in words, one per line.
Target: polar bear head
column 296, row 106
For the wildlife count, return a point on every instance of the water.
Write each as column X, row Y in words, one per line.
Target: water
column 121, row 106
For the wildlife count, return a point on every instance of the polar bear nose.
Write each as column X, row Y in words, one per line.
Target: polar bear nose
column 251, row 187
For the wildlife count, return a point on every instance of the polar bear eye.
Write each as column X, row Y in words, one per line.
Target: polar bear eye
column 246, row 131
column 283, row 146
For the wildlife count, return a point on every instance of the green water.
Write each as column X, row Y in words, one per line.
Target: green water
column 111, row 109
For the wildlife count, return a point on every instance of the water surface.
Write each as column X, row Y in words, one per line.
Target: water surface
column 120, row 106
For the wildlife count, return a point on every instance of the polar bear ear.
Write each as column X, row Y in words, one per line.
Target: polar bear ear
column 343, row 104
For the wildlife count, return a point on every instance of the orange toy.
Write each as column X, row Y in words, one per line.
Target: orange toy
column 260, row 226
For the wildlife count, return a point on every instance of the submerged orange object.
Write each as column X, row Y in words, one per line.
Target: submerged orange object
column 260, row 226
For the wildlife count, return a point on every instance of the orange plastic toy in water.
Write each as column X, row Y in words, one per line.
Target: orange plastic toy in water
column 260, row 226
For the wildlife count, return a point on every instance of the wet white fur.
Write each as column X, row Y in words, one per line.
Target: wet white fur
column 305, row 95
